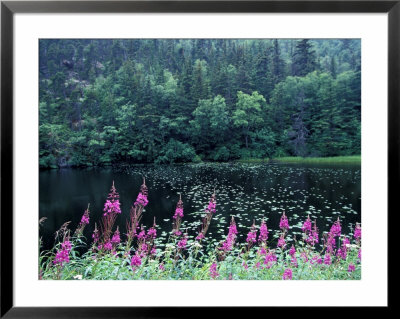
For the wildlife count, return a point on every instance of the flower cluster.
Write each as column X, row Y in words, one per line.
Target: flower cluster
column 116, row 239
column 142, row 200
column 112, row 205
column 227, row 245
column 183, row 242
column 252, row 235
column 284, row 223
column 213, row 271
column 62, row 255
column 263, row 232
column 357, row 232
column 287, row 274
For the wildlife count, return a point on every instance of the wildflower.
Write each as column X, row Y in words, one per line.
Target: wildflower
column 357, row 232
column 200, row 236
column 263, row 232
column 313, row 236
column 112, row 205
column 307, row 225
column 281, row 242
column 245, row 266
column 62, row 255
column 230, row 239
column 336, row 228
column 179, row 209
column 161, row 267
column 351, row 268
column 183, row 242
column 327, row 259
column 142, row 234
column 287, row 275
column 108, row 246
column 213, row 271
column 304, row 256
column 292, row 251
column 345, row 242
column 141, row 200
column 270, row 259
column 85, row 217
column 116, row 239
column 136, row 261
column 252, row 235
column 284, row 223
column 152, row 233
column 341, row 253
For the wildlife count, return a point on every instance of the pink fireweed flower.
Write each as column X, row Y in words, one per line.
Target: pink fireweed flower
column 327, row 259
column 183, row 242
column 252, row 235
column 262, row 251
column 287, row 275
column 136, row 261
column 112, row 205
column 263, row 232
column 62, row 255
column 304, row 256
column 66, row 245
column 141, row 200
column 152, row 233
column 270, row 259
column 307, row 225
column 281, row 242
column 345, row 242
column 108, row 246
column 341, row 253
column 211, row 208
column 85, row 218
column 161, row 267
column 200, row 236
column 116, row 239
column 351, row 268
column 95, row 235
column 292, row 251
column 284, row 223
column 245, row 266
column 227, row 245
column 336, row 229
column 357, row 232
column 213, row 271
column 142, row 234
column 313, row 238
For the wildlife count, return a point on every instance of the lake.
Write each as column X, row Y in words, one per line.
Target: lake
column 246, row 191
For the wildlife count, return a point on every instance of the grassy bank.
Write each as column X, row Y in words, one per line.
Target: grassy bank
column 354, row 159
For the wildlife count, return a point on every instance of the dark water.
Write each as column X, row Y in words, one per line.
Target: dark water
column 246, row 191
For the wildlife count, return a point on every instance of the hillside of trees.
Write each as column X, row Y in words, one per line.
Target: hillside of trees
column 164, row 101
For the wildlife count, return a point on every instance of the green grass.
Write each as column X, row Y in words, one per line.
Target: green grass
column 355, row 159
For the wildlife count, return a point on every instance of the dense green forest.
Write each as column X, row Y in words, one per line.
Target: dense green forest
column 164, row 101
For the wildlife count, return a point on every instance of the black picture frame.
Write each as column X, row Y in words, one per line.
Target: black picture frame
column 9, row 8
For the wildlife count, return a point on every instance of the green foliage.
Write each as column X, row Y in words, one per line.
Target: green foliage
column 112, row 101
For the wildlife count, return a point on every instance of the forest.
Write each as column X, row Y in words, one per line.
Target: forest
column 110, row 101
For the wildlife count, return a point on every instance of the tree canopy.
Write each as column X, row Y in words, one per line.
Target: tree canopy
column 173, row 100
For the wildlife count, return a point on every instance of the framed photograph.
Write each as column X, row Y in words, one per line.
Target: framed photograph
column 162, row 155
